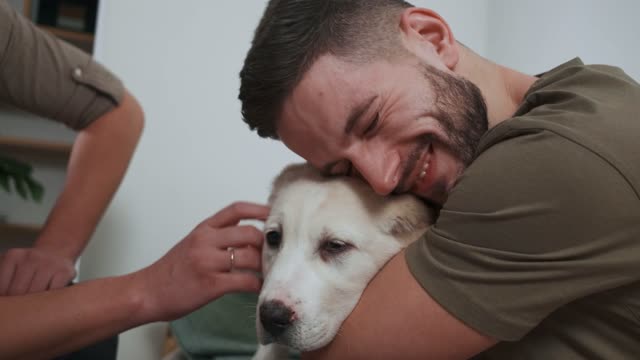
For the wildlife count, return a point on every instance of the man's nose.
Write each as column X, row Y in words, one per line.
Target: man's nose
column 381, row 173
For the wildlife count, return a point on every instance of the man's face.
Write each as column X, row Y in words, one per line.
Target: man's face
column 403, row 126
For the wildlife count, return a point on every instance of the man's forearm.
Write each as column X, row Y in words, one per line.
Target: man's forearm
column 69, row 318
column 99, row 160
column 397, row 319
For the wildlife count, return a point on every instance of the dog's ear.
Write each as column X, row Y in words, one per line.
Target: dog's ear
column 291, row 173
column 406, row 218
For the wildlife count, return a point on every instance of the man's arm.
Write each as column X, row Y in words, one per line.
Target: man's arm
column 99, row 160
column 397, row 319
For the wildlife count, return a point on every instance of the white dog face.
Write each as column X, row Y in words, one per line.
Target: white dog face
column 324, row 240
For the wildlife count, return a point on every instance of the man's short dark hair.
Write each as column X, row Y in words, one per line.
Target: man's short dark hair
column 292, row 34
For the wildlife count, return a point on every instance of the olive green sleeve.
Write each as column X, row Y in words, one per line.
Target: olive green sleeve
column 49, row 77
column 535, row 222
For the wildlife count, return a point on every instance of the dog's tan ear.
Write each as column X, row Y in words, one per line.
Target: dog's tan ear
column 290, row 174
column 407, row 218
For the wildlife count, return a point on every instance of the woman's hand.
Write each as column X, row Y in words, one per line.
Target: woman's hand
column 200, row 268
column 29, row 270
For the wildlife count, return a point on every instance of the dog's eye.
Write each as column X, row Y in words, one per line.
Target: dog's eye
column 273, row 238
column 334, row 247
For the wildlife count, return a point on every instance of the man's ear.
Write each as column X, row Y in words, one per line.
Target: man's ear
column 428, row 35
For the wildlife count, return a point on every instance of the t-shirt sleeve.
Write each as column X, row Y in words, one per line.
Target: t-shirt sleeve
column 49, row 77
column 536, row 222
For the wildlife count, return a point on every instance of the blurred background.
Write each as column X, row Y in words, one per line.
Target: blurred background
column 181, row 59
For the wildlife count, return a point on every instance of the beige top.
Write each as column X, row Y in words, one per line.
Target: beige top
column 49, row 77
column 539, row 242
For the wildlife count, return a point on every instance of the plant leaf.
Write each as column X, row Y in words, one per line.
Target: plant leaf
column 19, row 184
column 36, row 189
column 13, row 166
column 23, row 181
column 4, row 181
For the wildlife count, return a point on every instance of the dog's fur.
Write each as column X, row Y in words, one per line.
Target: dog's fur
column 336, row 234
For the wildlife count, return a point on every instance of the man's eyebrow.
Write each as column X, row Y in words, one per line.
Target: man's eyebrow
column 357, row 112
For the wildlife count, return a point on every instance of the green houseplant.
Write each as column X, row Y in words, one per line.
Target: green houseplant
column 17, row 175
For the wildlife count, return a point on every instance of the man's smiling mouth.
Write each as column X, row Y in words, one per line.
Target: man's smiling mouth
column 417, row 167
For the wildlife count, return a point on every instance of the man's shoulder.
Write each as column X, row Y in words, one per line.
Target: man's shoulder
column 595, row 107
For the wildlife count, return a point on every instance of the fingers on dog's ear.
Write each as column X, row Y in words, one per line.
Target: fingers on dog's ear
column 239, row 236
column 237, row 211
column 246, row 258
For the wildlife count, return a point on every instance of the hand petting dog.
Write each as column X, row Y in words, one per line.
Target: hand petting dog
column 201, row 267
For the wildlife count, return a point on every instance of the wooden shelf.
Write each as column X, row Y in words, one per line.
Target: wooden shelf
column 82, row 40
column 7, row 229
column 42, row 149
column 73, row 36
column 17, row 235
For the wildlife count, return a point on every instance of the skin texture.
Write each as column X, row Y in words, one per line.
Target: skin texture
column 411, row 135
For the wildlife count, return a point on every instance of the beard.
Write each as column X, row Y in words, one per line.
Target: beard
column 462, row 112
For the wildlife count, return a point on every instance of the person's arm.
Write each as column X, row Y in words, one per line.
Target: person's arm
column 397, row 319
column 194, row 272
column 62, row 83
column 98, row 162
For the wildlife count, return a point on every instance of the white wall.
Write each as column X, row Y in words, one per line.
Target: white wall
column 181, row 59
column 468, row 20
column 535, row 36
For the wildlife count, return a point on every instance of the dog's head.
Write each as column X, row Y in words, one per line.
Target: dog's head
column 325, row 239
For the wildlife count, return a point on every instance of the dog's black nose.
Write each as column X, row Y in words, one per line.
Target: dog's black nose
column 275, row 317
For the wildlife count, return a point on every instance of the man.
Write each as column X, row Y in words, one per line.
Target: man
column 536, row 251
column 41, row 316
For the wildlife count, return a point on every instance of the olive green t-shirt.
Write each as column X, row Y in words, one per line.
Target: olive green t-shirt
column 49, row 77
column 538, row 244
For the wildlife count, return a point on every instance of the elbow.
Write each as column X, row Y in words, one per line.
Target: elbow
column 134, row 115
column 122, row 125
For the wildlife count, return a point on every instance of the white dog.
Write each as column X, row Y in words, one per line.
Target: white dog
column 325, row 239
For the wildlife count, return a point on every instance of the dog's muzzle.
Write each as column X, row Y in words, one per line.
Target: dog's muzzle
column 276, row 317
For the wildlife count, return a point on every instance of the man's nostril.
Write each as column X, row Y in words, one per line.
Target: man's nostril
column 275, row 316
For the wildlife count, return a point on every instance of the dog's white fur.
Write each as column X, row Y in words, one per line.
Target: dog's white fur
column 321, row 287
